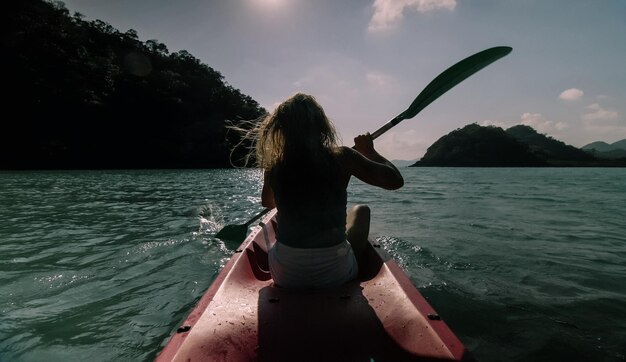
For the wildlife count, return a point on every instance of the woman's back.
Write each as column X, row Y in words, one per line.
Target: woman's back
column 311, row 199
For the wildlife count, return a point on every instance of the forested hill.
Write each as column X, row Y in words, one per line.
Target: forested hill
column 477, row 146
column 518, row 146
column 554, row 152
column 81, row 94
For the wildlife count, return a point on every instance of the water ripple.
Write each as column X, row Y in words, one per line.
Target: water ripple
column 523, row 264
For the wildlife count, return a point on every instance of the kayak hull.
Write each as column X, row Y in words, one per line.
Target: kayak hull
column 243, row 316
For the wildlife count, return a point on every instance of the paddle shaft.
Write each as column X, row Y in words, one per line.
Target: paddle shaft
column 258, row 216
column 386, row 127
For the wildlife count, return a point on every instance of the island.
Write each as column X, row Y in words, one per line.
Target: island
column 518, row 146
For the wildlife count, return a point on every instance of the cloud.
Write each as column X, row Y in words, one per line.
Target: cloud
column 560, row 126
column 388, row 12
column 489, row 122
column 541, row 124
column 596, row 112
column 572, row 94
column 402, row 145
column 536, row 121
column 378, row 79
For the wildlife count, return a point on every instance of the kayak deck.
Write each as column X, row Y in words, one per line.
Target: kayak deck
column 244, row 317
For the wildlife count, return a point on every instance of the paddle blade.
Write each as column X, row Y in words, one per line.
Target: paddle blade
column 453, row 76
column 237, row 233
column 234, row 234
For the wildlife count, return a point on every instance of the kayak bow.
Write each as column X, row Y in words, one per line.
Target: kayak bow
column 244, row 317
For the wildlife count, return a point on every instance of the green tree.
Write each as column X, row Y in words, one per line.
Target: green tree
column 86, row 95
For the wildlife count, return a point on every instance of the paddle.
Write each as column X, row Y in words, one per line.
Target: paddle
column 445, row 81
column 237, row 233
column 438, row 86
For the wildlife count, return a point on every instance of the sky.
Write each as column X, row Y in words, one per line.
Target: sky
column 366, row 60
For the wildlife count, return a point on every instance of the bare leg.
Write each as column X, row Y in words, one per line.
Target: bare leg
column 357, row 232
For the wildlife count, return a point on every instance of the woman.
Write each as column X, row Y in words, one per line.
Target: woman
column 306, row 175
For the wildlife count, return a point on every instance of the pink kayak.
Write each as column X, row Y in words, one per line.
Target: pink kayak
column 244, row 317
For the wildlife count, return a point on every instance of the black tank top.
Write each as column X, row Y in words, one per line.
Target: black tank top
column 311, row 207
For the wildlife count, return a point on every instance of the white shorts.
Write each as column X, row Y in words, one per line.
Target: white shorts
column 312, row 268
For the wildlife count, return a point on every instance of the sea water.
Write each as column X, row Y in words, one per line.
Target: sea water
column 523, row 264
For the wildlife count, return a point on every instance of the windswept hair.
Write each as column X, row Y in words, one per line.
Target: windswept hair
column 296, row 134
column 297, row 131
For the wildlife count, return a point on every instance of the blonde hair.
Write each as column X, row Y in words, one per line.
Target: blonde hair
column 298, row 130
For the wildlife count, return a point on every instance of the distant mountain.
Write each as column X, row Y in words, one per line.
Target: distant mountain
column 403, row 163
column 599, row 149
column 518, row 146
column 620, row 144
column 599, row 146
column 611, row 155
